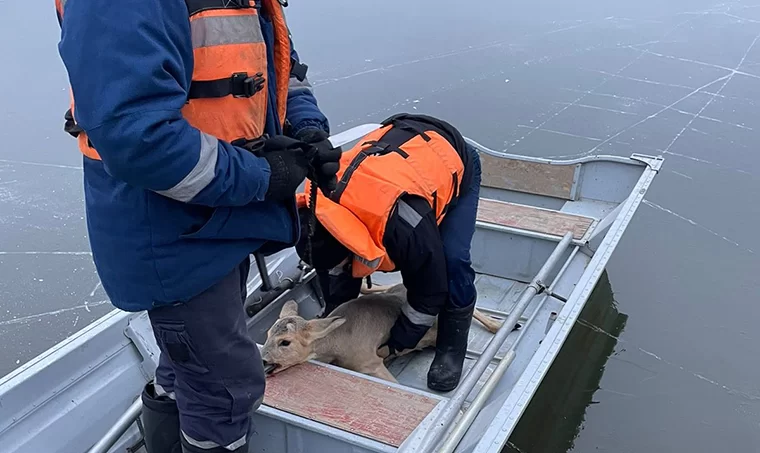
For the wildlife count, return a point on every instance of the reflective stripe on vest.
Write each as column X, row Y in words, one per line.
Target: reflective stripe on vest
column 228, row 94
column 407, row 156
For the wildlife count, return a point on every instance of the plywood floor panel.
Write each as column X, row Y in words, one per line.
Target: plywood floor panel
column 532, row 219
column 348, row 402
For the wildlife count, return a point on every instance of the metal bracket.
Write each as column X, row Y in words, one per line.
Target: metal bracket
column 540, row 287
column 575, row 188
column 651, row 161
column 140, row 332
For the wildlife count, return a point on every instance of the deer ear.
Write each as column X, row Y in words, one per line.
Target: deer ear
column 319, row 328
column 289, row 309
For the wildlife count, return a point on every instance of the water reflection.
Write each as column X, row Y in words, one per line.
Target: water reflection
column 556, row 414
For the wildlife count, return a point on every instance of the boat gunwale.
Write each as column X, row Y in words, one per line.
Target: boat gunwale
column 636, row 159
column 510, row 412
column 63, row 348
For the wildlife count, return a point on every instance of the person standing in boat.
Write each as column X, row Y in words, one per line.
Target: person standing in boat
column 407, row 200
column 183, row 112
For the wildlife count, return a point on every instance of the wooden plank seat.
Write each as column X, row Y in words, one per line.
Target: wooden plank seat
column 348, row 402
column 530, row 177
column 534, row 219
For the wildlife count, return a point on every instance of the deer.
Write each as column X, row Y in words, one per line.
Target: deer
column 349, row 337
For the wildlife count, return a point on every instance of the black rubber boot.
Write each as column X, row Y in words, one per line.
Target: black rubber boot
column 450, row 348
column 160, row 420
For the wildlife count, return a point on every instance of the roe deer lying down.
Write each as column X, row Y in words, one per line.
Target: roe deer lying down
column 349, row 337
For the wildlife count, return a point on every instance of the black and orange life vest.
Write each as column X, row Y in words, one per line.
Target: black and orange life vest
column 228, row 92
column 411, row 154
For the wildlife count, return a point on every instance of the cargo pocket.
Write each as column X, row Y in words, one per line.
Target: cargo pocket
column 244, row 397
column 179, row 347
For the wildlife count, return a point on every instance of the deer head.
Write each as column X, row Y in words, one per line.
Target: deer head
column 290, row 340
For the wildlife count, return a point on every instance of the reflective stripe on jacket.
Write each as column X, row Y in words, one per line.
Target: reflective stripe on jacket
column 168, row 214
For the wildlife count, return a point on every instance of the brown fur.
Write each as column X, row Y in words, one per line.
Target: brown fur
column 349, row 337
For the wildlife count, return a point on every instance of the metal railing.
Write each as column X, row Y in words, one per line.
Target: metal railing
column 118, row 429
column 452, row 407
column 451, row 441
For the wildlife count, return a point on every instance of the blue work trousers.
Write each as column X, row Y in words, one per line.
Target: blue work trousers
column 210, row 363
column 457, row 230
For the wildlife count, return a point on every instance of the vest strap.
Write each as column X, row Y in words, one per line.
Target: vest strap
column 409, row 127
column 343, row 182
column 375, row 148
column 239, row 85
column 254, row 146
column 380, row 148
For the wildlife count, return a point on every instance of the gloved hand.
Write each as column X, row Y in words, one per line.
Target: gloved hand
column 289, row 165
column 326, row 160
column 405, row 335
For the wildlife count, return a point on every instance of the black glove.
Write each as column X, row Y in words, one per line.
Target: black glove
column 289, row 165
column 404, row 335
column 326, row 160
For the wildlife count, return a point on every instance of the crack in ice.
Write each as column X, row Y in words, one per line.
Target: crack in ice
column 39, row 164
column 699, row 376
column 654, row 115
column 657, row 104
column 559, row 132
column 25, row 319
column 698, row 225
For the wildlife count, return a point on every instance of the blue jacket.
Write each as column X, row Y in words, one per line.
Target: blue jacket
column 130, row 64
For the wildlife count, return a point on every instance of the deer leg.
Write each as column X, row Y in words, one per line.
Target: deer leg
column 491, row 324
column 378, row 370
column 429, row 339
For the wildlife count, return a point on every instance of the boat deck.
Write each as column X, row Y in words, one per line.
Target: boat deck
column 386, row 413
column 496, row 298
column 349, row 402
column 372, row 409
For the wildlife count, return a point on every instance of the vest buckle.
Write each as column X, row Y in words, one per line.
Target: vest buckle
column 242, row 86
column 71, row 126
column 253, row 146
column 298, row 69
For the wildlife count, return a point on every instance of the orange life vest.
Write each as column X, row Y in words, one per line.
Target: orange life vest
column 228, row 93
column 410, row 154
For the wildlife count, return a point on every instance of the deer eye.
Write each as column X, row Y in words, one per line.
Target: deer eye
column 284, row 343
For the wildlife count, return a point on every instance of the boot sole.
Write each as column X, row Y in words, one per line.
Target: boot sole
column 443, row 388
